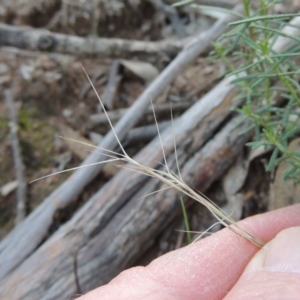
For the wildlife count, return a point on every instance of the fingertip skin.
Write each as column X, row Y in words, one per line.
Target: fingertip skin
column 266, row 285
column 274, row 271
column 204, row 270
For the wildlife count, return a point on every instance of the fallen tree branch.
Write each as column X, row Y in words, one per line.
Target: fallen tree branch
column 116, row 115
column 44, row 40
column 33, row 54
column 144, row 133
column 15, row 247
column 21, row 189
column 112, row 85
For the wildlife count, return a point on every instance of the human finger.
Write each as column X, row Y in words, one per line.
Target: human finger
column 204, row 270
column 274, row 272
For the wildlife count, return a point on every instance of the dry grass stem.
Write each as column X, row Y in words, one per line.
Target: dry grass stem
column 175, row 181
column 166, row 176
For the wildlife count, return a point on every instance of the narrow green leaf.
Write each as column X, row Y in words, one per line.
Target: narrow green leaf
column 285, row 55
column 289, row 173
column 247, row 67
column 258, row 144
column 233, row 32
column 262, row 18
column 244, row 78
column 183, row 2
column 186, row 222
column 279, row 160
column 280, row 147
column 271, row 164
column 239, row 36
column 247, row 129
column 291, row 133
column 276, row 74
column 219, row 9
column 278, row 32
column 297, row 154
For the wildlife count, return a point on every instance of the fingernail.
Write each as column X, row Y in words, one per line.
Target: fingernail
column 282, row 254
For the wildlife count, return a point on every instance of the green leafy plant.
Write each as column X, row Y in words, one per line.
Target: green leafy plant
column 266, row 77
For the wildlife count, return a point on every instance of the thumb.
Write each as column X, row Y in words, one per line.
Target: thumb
column 274, row 272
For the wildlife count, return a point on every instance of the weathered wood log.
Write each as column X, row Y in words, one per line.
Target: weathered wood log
column 44, row 40
column 29, row 234
column 103, row 249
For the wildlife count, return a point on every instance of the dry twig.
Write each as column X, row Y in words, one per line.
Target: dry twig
column 112, row 85
column 21, row 190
